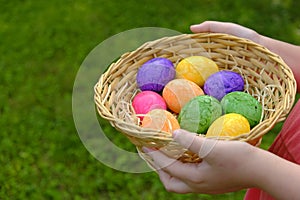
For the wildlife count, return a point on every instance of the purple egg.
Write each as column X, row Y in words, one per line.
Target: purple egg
column 223, row 82
column 154, row 74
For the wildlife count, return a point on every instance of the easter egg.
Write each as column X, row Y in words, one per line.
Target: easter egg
column 161, row 120
column 244, row 104
column 154, row 74
column 196, row 69
column 178, row 92
column 145, row 101
column 230, row 125
column 198, row 114
column 223, row 82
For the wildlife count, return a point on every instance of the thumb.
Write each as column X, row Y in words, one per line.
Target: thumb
column 194, row 142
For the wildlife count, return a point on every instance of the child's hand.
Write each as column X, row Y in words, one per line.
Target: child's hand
column 224, row 168
column 228, row 28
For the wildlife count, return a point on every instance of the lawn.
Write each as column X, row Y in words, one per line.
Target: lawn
column 42, row 46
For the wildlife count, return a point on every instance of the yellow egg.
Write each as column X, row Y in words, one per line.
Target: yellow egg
column 196, row 69
column 230, row 125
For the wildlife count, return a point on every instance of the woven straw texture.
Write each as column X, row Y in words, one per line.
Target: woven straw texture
column 266, row 76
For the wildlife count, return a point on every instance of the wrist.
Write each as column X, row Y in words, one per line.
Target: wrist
column 253, row 166
column 264, row 167
column 257, row 167
column 247, row 168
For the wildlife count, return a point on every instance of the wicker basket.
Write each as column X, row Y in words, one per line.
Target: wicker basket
column 267, row 78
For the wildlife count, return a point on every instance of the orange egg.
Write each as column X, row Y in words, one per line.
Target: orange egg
column 196, row 69
column 180, row 91
column 161, row 120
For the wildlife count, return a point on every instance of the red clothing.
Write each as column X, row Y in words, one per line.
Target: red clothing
column 286, row 145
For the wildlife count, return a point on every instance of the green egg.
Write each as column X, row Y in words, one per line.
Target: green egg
column 244, row 104
column 199, row 113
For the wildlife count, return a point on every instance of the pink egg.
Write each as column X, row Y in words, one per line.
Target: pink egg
column 146, row 101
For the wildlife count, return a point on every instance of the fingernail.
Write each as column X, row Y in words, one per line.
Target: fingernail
column 146, row 150
column 175, row 133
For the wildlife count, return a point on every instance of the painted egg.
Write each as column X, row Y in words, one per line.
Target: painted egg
column 244, row 104
column 223, row 82
column 178, row 92
column 196, row 69
column 161, row 120
column 198, row 114
column 230, row 125
column 154, row 74
column 146, row 101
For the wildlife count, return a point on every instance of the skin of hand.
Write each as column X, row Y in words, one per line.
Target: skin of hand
column 288, row 52
column 228, row 28
column 219, row 172
column 226, row 166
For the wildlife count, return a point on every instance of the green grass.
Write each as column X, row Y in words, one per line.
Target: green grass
column 42, row 45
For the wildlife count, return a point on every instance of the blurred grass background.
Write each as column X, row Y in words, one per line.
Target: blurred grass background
column 42, row 45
